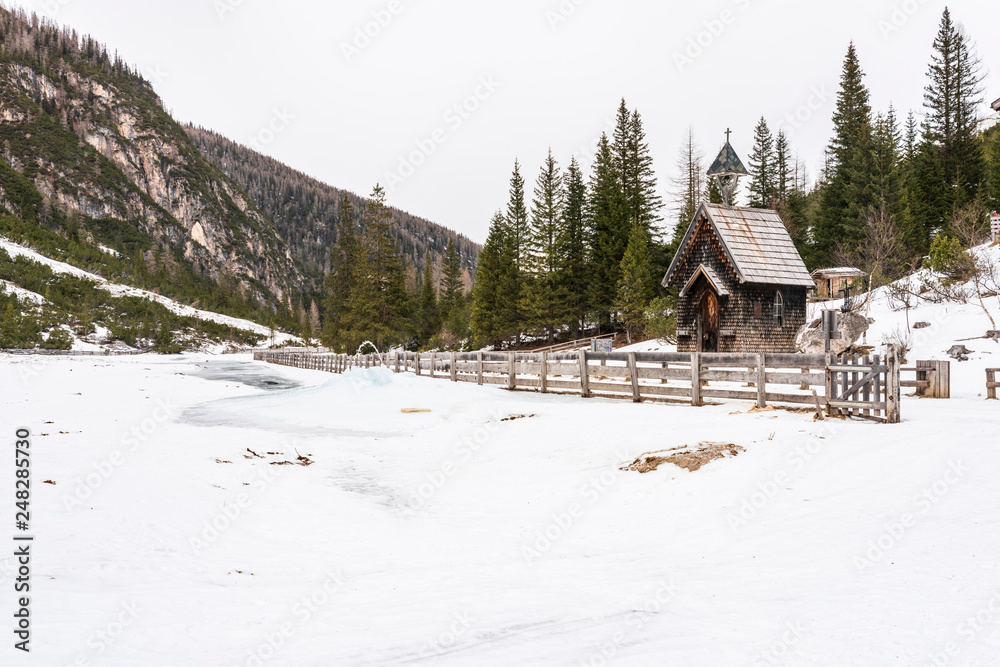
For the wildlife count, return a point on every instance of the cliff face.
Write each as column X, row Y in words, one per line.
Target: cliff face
column 101, row 146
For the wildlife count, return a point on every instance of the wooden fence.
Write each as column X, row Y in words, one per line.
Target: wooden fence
column 933, row 379
column 862, row 387
column 991, row 382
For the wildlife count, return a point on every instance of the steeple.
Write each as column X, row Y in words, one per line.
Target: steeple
column 728, row 169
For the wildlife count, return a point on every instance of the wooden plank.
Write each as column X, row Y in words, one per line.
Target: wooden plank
column 991, row 383
column 867, row 395
column 584, row 377
column 797, row 379
column 852, row 406
column 892, row 412
column 636, row 397
column 717, row 360
column 785, row 360
column 416, row 363
column 761, row 382
column 479, row 367
column 454, row 368
column 877, row 382
column 512, row 371
column 708, row 375
column 663, row 357
column 696, row 379
column 544, row 376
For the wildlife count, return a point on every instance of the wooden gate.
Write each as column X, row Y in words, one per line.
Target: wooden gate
column 865, row 387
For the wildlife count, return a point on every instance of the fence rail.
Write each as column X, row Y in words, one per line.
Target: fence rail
column 842, row 385
column 573, row 344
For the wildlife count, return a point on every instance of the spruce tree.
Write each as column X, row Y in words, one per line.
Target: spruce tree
column 544, row 302
column 574, row 279
column 452, row 287
column 379, row 304
column 634, row 292
column 784, row 184
column 762, row 167
column 517, row 238
column 952, row 95
column 847, row 192
column 607, row 213
column 490, row 322
column 886, row 140
column 428, row 322
column 344, row 260
column 992, row 196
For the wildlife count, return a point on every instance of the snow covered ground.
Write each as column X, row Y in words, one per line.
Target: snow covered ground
column 15, row 250
column 177, row 525
column 170, row 536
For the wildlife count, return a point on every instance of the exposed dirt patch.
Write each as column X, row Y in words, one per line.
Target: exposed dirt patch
column 689, row 458
column 513, row 417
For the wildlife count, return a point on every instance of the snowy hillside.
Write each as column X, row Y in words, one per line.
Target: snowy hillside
column 226, row 512
column 17, row 250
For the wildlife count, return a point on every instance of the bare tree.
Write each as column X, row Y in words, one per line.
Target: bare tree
column 881, row 254
column 970, row 225
column 688, row 185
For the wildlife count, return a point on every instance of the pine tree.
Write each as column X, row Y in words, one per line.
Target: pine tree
column 339, row 285
column 517, row 238
column 886, row 140
column 640, row 195
column 952, row 95
column 518, row 230
column 452, row 286
column 762, row 177
column 634, row 292
column 573, row 243
column 784, row 184
column 379, row 304
column 992, row 152
column 428, row 322
column 607, row 213
column 847, row 192
column 490, row 322
column 544, row 302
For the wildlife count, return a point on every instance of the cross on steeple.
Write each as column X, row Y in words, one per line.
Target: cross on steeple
column 728, row 132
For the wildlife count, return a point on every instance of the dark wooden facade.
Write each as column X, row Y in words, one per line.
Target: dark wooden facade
column 739, row 288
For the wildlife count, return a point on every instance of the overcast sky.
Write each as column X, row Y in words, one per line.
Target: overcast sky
column 436, row 98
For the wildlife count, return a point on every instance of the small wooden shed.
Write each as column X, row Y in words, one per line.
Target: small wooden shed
column 831, row 282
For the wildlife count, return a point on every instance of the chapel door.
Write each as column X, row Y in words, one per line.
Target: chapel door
column 709, row 322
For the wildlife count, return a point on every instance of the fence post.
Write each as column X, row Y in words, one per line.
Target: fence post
column 633, row 373
column 544, row 373
column 696, row 379
column 511, row 375
column 454, row 368
column 584, row 377
column 479, row 368
column 416, row 362
column 991, row 380
column 761, row 382
column 892, row 387
column 829, row 384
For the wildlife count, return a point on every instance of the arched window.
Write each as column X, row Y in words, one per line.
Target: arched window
column 779, row 309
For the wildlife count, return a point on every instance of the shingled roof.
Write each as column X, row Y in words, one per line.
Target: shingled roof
column 756, row 242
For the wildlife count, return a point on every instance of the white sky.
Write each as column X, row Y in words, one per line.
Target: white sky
column 557, row 70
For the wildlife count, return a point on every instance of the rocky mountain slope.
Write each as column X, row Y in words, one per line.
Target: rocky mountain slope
column 91, row 137
column 306, row 212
